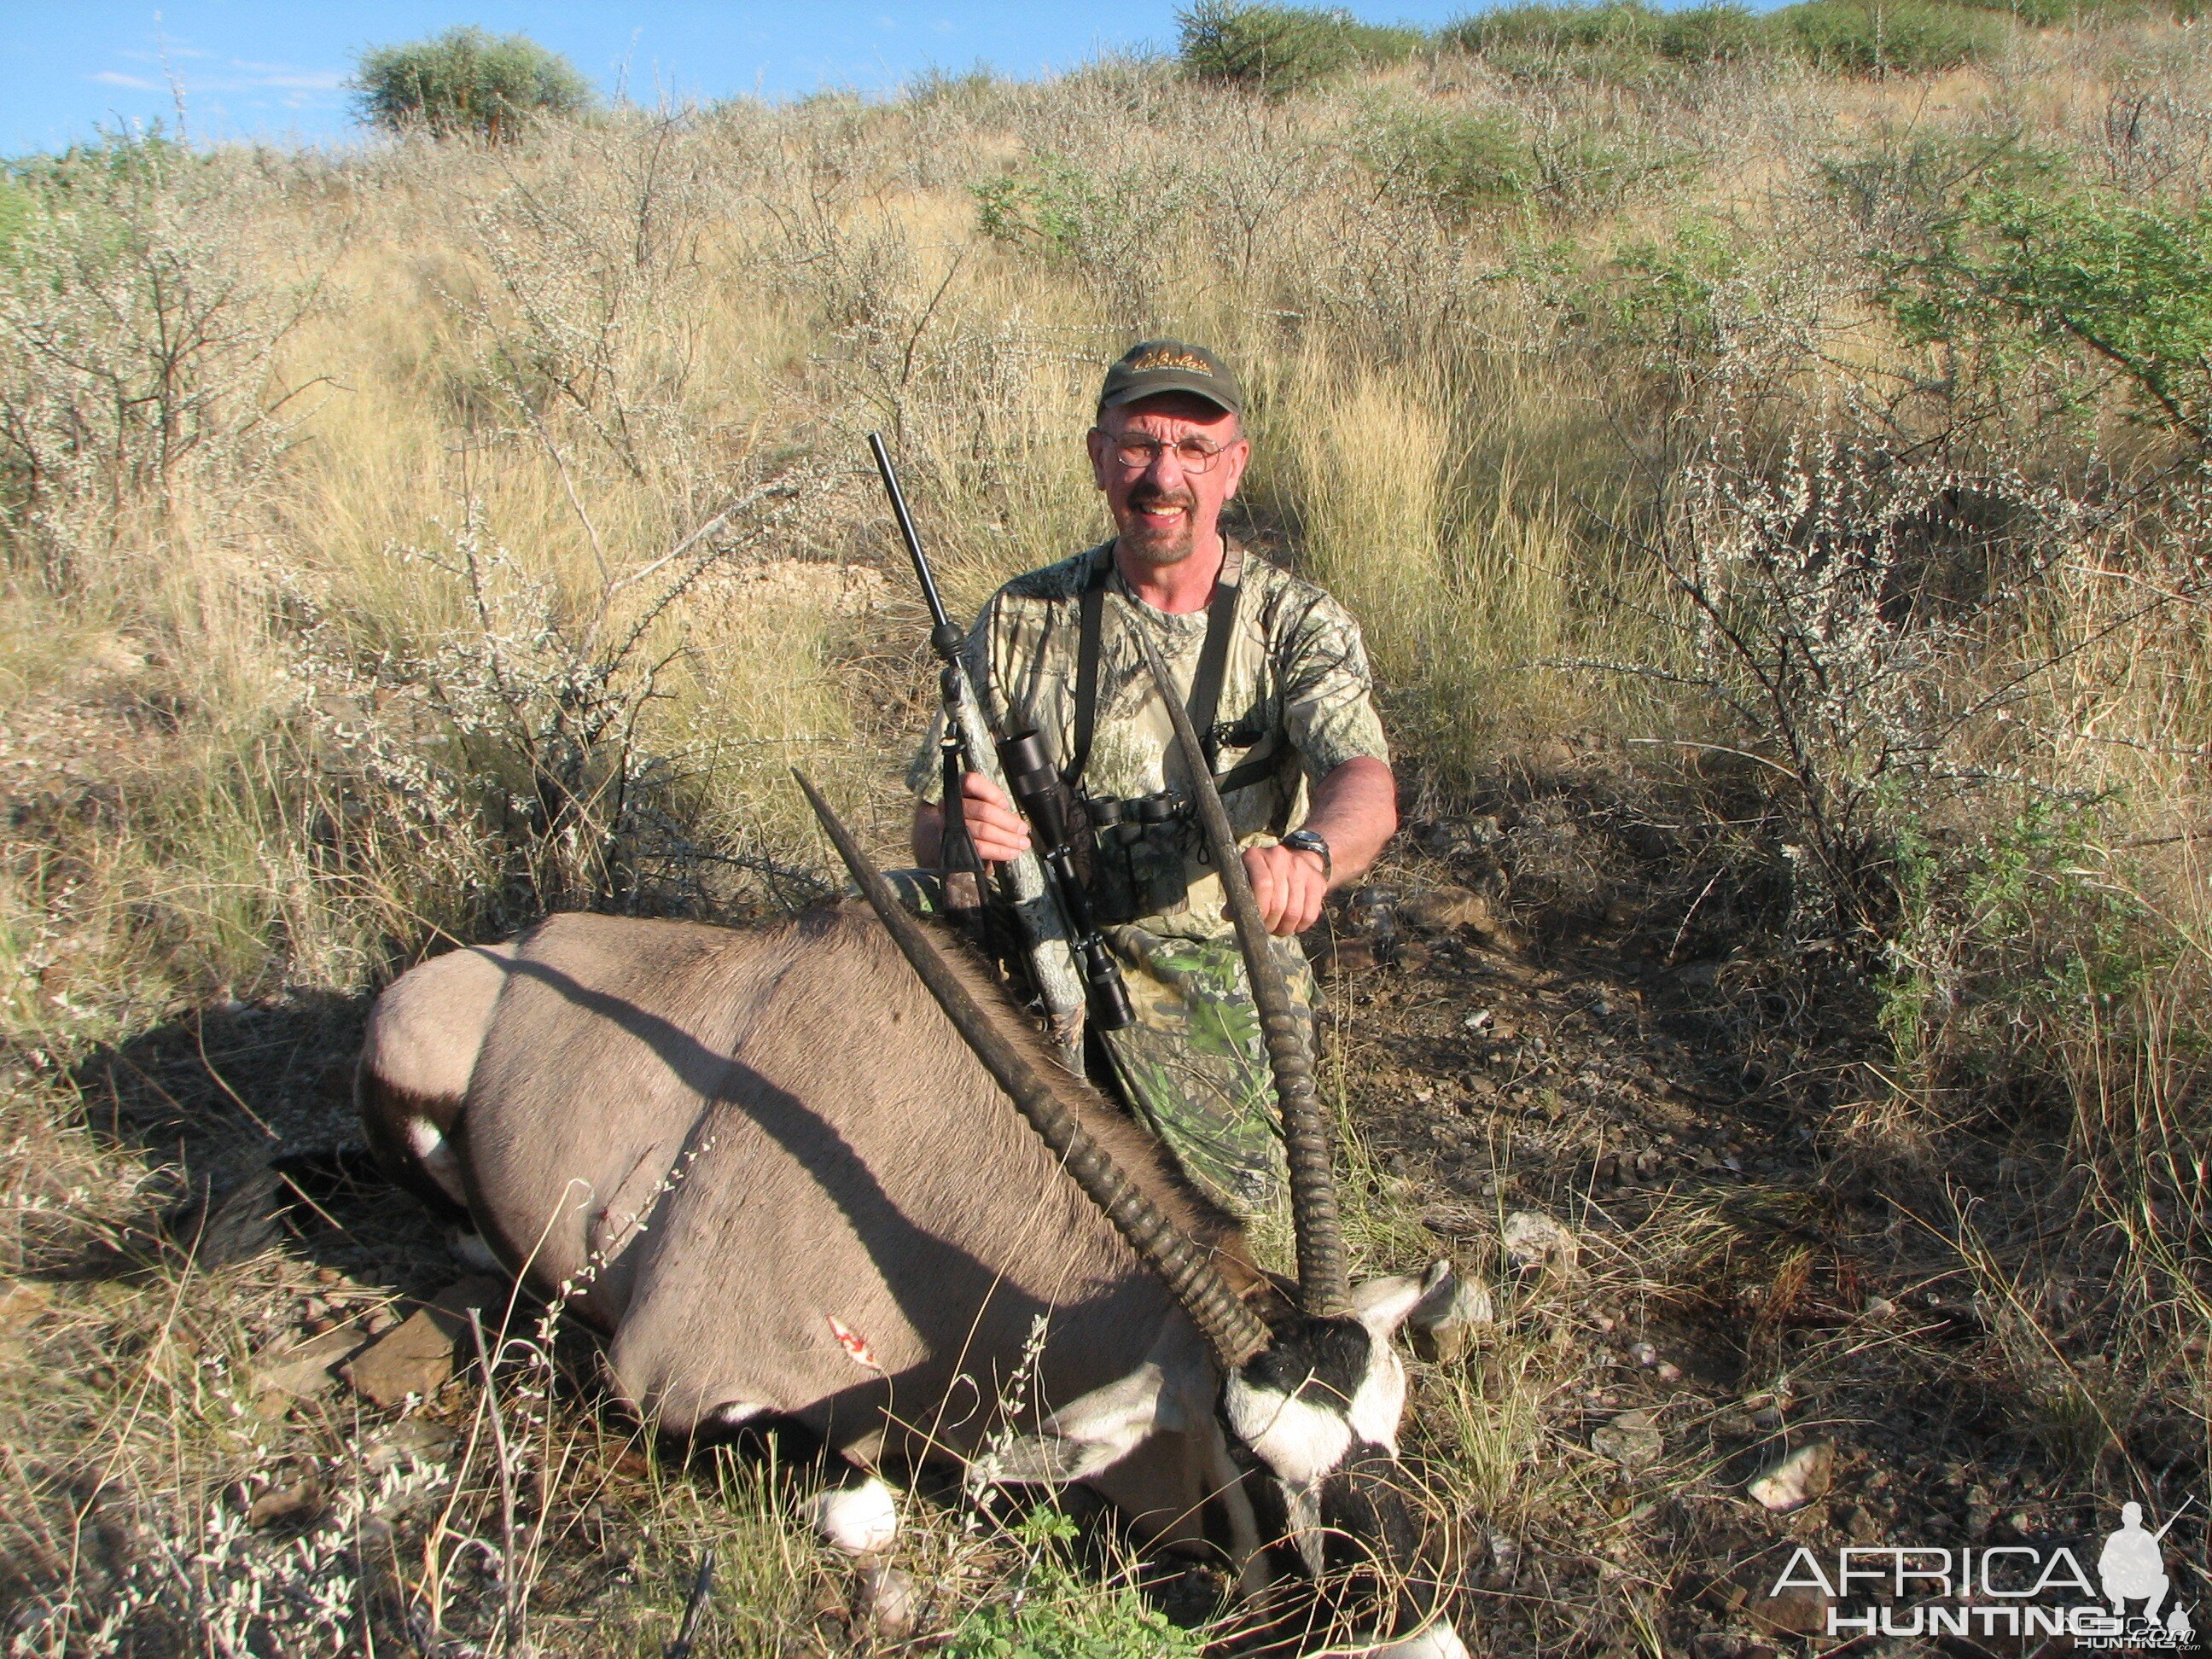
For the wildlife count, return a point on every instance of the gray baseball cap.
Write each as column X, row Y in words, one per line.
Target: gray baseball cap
column 1151, row 368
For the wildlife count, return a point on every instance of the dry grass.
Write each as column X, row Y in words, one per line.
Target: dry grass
column 504, row 535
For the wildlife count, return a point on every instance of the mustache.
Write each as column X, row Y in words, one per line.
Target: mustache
column 1144, row 500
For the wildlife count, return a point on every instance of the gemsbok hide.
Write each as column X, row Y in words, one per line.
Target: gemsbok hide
column 775, row 1167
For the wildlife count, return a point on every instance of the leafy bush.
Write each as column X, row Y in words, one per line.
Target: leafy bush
column 2005, row 937
column 1614, row 39
column 1888, row 37
column 2022, row 267
column 2060, row 14
column 1708, row 34
column 1052, row 1611
column 1457, row 161
column 1553, row 27
column 467, row 82
column 137, row 334
column 1053, row 206
column 1283, row 49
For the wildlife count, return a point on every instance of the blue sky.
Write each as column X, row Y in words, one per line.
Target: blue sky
column 275, row 69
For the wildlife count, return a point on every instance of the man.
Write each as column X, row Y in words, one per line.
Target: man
column 1274, row 672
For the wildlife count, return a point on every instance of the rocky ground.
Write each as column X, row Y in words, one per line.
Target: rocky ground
column 1767, row 1335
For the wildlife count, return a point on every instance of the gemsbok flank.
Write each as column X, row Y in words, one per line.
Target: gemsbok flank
column 774, row 1169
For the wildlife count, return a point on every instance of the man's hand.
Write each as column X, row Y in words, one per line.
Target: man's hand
column 994, row 825
column 1355, row 810
column 1289, row 886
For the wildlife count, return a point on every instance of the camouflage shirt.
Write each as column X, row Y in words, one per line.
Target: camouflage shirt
column 1295, row 689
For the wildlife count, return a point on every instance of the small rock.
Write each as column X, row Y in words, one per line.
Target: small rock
column 1798, row 1478
column 414, row 1437
column 1643, row 1354
column 1631, row 1440
column 287, row 1371
column 1504, row 1559
column 1798, row 1610
column 1880, row 1307
column 890, row 1601
column 418, row 1355
column 1668, row 1371
column 22, row 1303
column 294, row 1505
column 1441, row 840
column 1349, row 956
column 1440, row 910
column 1534, row 1239
column 1857, row 1521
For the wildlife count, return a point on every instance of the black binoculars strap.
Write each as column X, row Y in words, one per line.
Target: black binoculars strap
column 1204, row 684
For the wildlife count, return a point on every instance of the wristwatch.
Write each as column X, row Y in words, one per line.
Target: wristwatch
column 1305, row 840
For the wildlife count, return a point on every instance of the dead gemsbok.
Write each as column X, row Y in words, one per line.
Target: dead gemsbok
column 776, row 1170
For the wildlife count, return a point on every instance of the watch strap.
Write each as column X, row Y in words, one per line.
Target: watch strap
column 1306, row 840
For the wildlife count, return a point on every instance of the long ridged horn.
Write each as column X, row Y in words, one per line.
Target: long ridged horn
column 1233, row 1329
column 1324, row 1283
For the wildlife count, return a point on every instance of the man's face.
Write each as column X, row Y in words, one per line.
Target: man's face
column 1162, row 510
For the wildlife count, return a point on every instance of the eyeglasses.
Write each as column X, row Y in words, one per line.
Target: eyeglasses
column 1137, row 452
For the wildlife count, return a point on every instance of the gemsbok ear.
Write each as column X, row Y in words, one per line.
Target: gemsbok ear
column 1383, row 1304
column 1086, row 1436
column 1166, row 1394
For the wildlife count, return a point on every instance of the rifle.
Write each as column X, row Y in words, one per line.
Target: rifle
column 1048, row 899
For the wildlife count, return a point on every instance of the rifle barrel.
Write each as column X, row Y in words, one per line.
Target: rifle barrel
column 2171, row 1519
column 941, row 625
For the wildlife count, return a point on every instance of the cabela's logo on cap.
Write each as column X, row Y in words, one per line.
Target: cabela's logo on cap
column 1169, row 357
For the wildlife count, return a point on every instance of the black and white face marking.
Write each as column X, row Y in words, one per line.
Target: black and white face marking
column 1325, row 1386
column 1320, row 1409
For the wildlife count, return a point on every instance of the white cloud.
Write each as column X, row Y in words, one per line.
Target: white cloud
column 244, row 76
column 289, row 75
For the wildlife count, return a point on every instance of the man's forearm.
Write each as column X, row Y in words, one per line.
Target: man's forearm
column 1355, row 810
column 928, row 834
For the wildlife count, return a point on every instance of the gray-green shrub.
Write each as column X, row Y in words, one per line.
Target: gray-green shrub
column 1458, row 161
column 1888, row 37
column 1283, row 49
column 467, row 82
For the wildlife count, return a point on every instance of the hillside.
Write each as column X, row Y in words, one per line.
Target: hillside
column 1772, row 476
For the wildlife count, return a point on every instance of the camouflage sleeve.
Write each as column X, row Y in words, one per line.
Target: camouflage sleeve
column 1328, row 694
column 924, row 774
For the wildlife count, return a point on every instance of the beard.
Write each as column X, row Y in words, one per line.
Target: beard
column 1158, row 545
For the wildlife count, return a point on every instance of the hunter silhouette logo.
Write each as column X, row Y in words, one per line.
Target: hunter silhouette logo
column 2133, row 1569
